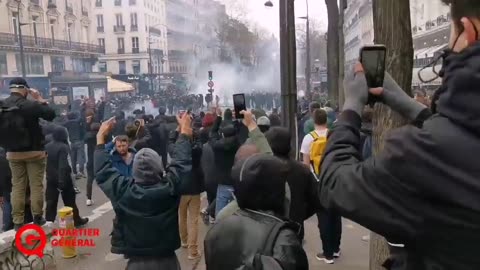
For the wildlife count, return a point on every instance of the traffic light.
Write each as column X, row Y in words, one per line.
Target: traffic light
column 210, row 75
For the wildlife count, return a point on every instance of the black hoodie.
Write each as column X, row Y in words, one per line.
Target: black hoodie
column 423, row 188
column 58, row 169
column 240, row 240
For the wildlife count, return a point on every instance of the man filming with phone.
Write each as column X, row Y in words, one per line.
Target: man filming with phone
column 22, row 136
column 422, row 188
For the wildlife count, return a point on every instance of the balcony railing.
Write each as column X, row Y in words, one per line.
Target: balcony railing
column 121, row 51
column 100, row 29
column 8, row 39
column 118, row 28
column 52, row 4
column 134, row 28
column 132, row 2
column 135, row 50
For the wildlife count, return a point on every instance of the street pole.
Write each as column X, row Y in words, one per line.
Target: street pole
column 288, row 70
column 20, row 41
column 308, row 68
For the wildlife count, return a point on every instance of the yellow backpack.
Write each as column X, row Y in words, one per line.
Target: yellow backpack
column 316, row 151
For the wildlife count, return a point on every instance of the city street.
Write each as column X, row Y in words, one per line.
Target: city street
column 354, row 250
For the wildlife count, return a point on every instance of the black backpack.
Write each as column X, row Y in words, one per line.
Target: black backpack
column 14, row 133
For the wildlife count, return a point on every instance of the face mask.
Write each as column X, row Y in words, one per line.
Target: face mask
column 445, row 54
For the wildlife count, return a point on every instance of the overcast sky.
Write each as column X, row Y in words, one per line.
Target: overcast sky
column 268, row 17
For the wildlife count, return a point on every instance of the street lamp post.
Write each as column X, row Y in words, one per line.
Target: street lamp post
column 20, row 41
column 288, row 72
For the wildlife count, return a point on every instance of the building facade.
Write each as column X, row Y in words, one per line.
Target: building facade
column 134, row 36
column 56, row 37
column 430, row 22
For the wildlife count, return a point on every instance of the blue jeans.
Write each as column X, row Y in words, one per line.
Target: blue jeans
column 7, row 212
column 224, row 197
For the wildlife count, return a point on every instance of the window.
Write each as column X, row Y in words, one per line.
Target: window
column 102, row 66
column 15, row 25
column 122, row 68
column 118, row 3
column 119, row 19
column 34, row 26
column 101, row 42
column 121, row 45
column 58, row 63
column 133, row 19
column 98, row 3
column 52, row 29
column 33, row 63
column 136, row 66
column 69, row 32
column 135, row 45
column 100, row 20
column 3, row 64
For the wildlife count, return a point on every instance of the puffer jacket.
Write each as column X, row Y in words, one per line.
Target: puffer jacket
column 147, row 215
column 423, row 188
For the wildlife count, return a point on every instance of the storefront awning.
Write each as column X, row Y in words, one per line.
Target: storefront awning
column 116, row 86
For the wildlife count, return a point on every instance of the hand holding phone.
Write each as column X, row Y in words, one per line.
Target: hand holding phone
column 239, row 105
column 372, row 59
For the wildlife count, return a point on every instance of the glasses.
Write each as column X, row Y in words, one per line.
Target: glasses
column 437, row 61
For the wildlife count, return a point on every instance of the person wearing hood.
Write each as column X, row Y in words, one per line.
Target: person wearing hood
column 59, row 177
column 257, row 236
column 146, row 204
column 224, row 144
column 121, row 122
column 76, row 133
column 302, row 183
column 422, row 188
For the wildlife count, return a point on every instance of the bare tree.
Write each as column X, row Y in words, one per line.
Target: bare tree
column 333, row 50
column 392, row 27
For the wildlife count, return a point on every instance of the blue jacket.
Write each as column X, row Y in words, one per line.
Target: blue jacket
column 117, row 161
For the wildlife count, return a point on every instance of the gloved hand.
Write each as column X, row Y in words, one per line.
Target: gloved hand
column 394, row 97
column 356, row 91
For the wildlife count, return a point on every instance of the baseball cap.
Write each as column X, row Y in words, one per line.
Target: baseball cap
column 18, row 83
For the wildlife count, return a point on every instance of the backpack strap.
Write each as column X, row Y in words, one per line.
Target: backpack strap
column 314, row 135
column 272, row 238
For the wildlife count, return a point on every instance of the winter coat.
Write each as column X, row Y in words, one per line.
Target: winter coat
column 5, row 174
column 58, row 171
column 422, row 189
column 32, row 112
column 207, row 164
column 224, row 149
column 75, row 128
column 147, row 214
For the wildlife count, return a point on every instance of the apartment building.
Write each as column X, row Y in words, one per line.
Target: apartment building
column 134, row 36
column 56, row 36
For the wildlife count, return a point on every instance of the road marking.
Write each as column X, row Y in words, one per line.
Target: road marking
column 100, row 211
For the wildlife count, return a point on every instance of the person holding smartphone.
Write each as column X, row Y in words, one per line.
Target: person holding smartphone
column 422, row 189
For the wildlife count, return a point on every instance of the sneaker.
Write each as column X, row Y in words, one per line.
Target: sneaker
column 39, row 220
column 322, row 257
column 212, row 220
column 205, row 217
column 195, row 256
column 89, row 202
column 77, row 191
column 337, row 254
column 81, row 222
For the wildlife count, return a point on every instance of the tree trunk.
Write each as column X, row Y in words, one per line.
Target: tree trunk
column 332, row 51
column 392, row 27
column 341, row 54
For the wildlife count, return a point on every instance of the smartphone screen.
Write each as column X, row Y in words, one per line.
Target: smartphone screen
column 239, row 105
column 373, row 61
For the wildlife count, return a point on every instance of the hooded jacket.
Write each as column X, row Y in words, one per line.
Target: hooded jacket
column 75, row 127
column 147, row 213
column 58, row 171
column 422, row 189
column 224, row 147
column 32, row 112
column 239, row 241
